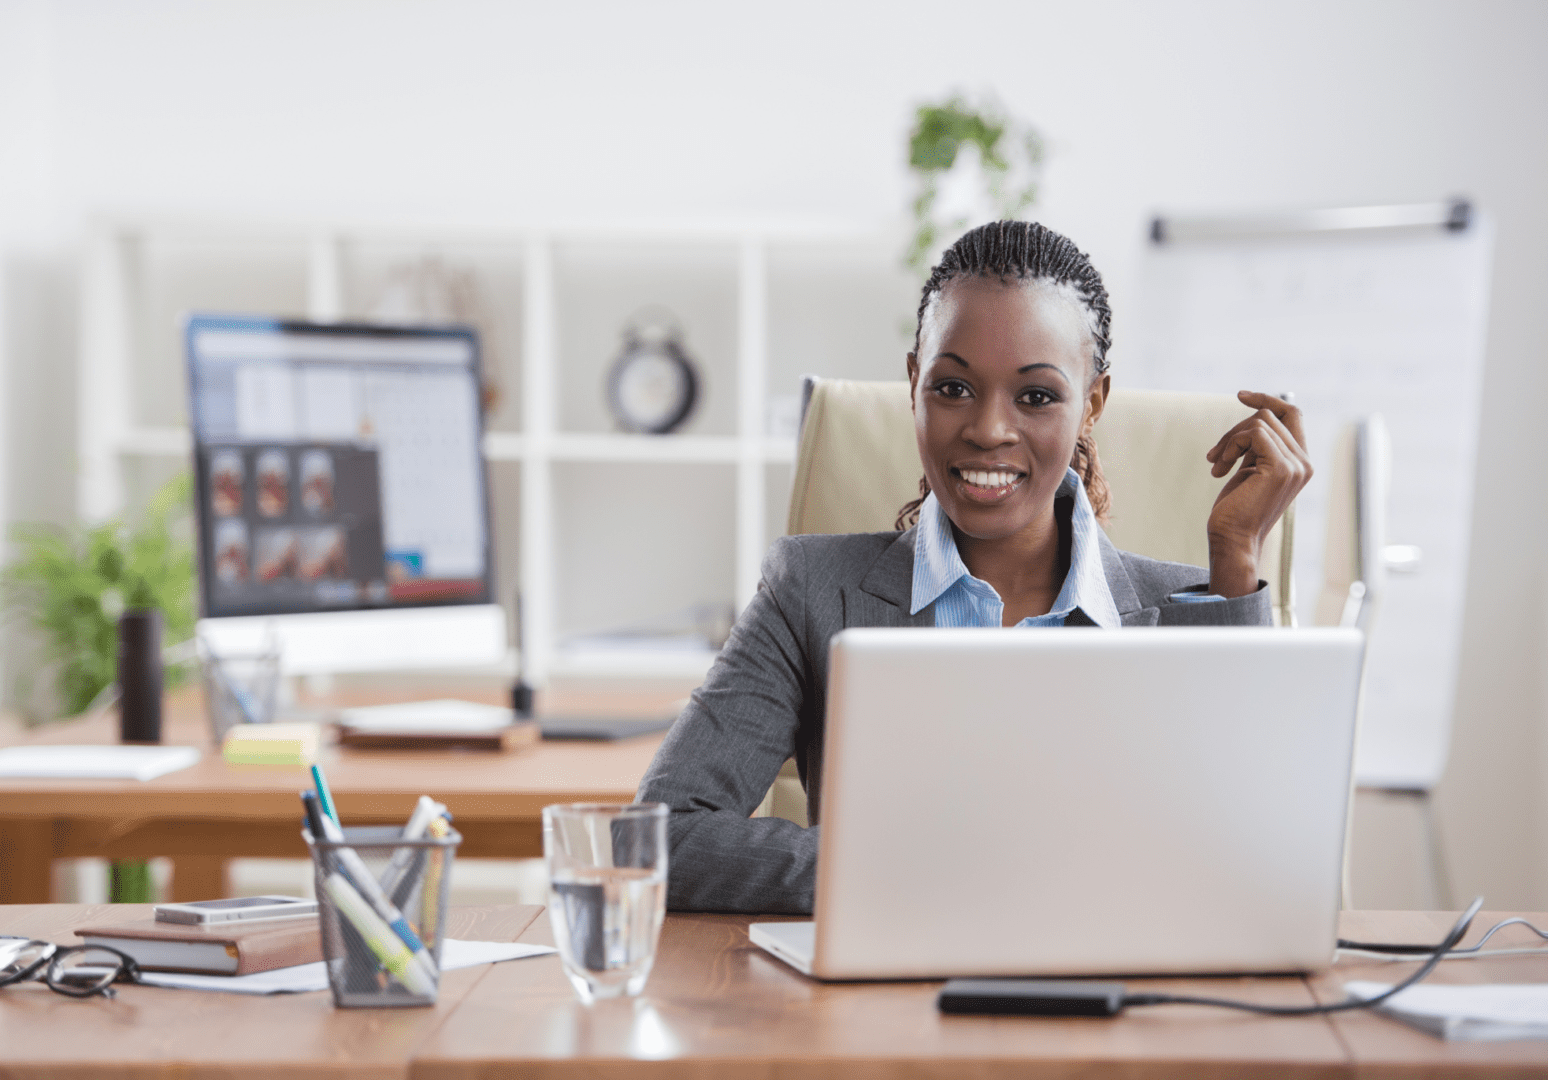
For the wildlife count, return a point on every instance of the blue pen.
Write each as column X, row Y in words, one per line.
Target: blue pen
column 324, row 796
column 354, row 870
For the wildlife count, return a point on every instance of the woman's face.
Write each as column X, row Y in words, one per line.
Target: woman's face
column 1001, row 389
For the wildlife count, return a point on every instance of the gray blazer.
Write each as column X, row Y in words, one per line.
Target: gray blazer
column 765, row 698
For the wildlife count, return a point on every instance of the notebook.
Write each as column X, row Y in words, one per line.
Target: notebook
column 233, row 948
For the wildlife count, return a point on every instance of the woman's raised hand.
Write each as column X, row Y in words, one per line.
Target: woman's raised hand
column 1274, row 468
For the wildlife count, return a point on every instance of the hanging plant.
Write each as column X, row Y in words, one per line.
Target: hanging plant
column 997, row 177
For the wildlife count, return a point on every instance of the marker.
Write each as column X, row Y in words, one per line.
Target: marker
column 378, row 936
column 403, row 859
column 324, row 796
column 359, row 875
column 431, row 904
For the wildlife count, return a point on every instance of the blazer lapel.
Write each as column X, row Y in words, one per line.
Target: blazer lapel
column 1124, row 597
column 883, row 595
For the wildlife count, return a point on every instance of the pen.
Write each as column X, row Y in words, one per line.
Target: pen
column 399, row 871
column 359, row 875
column 324, row 796
column 313, row 814
column 392, row 953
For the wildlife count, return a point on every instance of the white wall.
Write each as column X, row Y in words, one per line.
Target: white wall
column 492, row 113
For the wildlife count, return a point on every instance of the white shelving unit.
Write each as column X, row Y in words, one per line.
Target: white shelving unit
column 119, row 324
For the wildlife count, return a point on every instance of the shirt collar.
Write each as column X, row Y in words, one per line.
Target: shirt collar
column 938, row 565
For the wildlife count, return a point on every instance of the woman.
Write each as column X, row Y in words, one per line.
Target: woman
column 1008, row 376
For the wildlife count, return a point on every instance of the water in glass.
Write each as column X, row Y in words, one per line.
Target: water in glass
column 607, row 872
column 606, row 922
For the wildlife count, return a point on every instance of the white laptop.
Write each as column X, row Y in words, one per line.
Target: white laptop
column 1135, row 802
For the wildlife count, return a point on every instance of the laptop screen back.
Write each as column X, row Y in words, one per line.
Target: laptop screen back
column 1042, row 802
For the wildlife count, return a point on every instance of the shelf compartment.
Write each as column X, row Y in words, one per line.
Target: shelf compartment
column 599, row 287
column 643, row 543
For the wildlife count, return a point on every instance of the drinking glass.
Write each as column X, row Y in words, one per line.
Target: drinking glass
column 239, row 688
column 607, row 876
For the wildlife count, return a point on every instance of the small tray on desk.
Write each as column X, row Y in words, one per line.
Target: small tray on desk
column 434, row 725
column 512, row 737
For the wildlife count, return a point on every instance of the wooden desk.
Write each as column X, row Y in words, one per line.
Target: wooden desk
column 153, row 1031
column 717, row 1007
column 1381, row 1047
column 203, row 815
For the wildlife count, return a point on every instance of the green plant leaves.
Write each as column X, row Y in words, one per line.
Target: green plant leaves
column 940, row 130
column 1010, row 155
column 72, row 584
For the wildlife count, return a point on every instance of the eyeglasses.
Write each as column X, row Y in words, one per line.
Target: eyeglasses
column 76, row 970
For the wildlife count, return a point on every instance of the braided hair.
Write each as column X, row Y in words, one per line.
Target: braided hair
column 1024, row 251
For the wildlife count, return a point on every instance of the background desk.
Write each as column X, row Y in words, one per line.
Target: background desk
column 206, row 814
column 717, row 1007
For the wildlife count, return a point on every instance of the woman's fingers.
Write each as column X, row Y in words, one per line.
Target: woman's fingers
column 1290, row 435
column 1255, row 443
column 1286, row 413
column 1283, row 418
column 1240, row 440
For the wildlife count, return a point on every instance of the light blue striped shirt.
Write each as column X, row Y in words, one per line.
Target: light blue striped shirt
column 960, row 599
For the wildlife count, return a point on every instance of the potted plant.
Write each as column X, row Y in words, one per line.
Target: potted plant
column 71, row 585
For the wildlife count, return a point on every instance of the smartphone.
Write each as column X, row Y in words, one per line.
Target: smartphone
column 237, row 908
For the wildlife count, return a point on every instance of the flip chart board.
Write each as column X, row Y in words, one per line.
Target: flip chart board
column 1388, row 321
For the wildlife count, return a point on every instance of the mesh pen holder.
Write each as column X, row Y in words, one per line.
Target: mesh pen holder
column 369, row 954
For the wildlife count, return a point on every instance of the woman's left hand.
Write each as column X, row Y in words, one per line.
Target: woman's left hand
column 1274, row 468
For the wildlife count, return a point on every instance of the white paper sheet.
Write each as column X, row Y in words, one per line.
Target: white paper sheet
column 1486, row 1012
column 94, row 762
column 447, row 716
column 308, row 977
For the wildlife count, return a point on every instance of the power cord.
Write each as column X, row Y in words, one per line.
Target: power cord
column 1437, row 954
column 1470, row 952
column 1069, row 997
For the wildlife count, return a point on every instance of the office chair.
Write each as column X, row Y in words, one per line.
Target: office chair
column 858, row 463
column 1355, row 563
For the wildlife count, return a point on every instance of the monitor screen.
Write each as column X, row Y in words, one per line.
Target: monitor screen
column 338, row 467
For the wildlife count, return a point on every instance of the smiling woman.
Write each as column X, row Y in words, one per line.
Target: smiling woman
column 1008, row 375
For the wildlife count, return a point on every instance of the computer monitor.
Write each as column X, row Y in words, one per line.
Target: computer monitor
column 342, row 503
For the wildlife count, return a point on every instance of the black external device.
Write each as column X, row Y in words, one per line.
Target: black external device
column 601, row 729
column 139, row 676
column 521, row 693
column 1031, row 997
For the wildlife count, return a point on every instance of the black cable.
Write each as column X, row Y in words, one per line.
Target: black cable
column 1424, row 950
column 1437, row 954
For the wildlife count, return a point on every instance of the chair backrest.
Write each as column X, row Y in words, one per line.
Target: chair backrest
column 858, row 463
column 1354, row 566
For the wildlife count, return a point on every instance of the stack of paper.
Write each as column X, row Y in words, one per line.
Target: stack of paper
column 307, row 977
column 1495, row 1011
column 272, row 744
column 414, row 716
column 94, row 762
